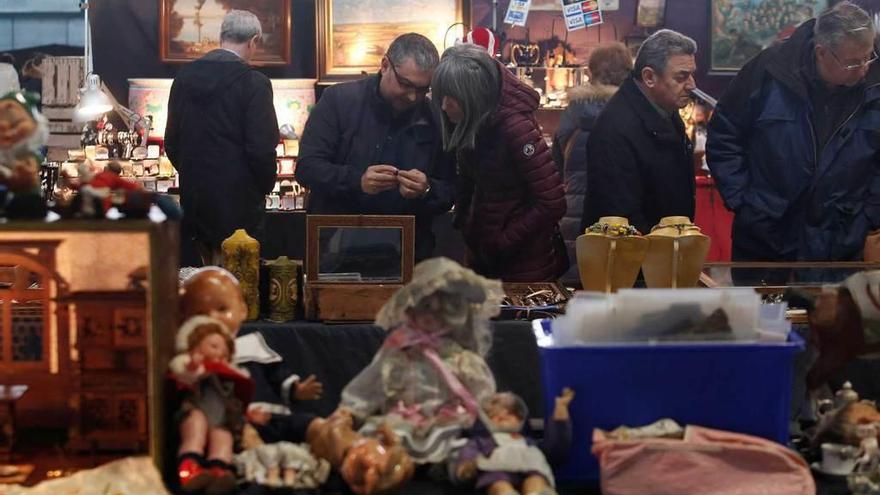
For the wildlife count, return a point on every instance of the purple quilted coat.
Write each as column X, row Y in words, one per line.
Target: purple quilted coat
column 510, row 196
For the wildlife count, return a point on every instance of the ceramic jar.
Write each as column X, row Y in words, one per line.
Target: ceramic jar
column 241, row 256
column 283, row 288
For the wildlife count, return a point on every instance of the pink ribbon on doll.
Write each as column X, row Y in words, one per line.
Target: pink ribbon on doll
column 428, row 343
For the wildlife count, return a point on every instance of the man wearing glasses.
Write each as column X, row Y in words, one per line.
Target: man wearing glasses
column 793, row 144
column 374, row 147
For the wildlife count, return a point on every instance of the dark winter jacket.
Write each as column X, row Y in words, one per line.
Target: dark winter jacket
column 570, row 155
column 345, row 134
column 639, row 163
column 510, row 196
column 794, row 198
column 221, row 137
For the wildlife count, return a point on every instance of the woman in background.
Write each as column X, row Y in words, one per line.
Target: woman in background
column 610, row 64
column 509, row 197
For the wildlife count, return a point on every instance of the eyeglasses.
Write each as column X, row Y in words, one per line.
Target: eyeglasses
column 851, row 67
column 406, row 83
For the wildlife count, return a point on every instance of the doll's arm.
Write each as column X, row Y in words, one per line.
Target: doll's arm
column 308, row 389
column 186, row 369
column 560, row 411
column 466, row 462
column 365, row 393
column 557, row 433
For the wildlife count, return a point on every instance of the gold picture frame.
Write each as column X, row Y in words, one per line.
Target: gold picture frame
column 177, row 28
column 352, row 37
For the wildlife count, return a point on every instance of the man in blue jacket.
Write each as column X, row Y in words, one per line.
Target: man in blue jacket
column 374, row 147
column 793, row 143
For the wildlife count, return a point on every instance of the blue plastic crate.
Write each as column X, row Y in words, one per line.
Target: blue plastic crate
column 740, row 387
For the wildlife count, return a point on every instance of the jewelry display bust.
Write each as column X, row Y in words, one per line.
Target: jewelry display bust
column 675, row 254
column 609, row 255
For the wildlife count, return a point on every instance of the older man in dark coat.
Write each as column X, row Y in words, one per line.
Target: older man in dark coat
column 221, row 137
column 639, row 160
column 793, row 144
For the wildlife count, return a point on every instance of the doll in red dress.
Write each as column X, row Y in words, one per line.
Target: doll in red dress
column 212, row 413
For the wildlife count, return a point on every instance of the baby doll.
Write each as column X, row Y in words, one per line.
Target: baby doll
column 427, row 380
column 506, row 463
column 211, row 416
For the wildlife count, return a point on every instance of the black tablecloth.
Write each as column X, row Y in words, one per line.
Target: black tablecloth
column 336, row 353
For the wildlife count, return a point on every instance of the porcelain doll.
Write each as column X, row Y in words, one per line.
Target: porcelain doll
column 215, row 292
column 429, row 376
column 23, row 133
column 503, row 461
column 211, row 416
column 368, row 464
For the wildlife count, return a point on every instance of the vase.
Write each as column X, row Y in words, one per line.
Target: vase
column 283, row 288
column 241, row 256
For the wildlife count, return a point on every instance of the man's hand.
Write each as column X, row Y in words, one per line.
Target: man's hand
column 308, row 389
column 378, row 178
column 413, row 183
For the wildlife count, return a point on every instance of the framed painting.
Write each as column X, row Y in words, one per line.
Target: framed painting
column 189, row 29
column 354, row 34
column 739, row 29
column 651, row 13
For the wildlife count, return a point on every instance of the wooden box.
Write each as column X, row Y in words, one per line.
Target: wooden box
column 354, row 263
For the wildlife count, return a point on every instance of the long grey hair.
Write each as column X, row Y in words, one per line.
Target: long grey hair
column 469, row 75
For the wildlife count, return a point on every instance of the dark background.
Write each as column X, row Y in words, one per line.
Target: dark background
column 126, row 37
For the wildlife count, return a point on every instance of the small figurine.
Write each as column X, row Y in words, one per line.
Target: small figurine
column 503, row 461
column 97, row 191
column 427, row 380
column 865, row 478
column 212, row 412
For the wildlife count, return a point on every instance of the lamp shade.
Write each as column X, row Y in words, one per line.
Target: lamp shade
column 92, row 101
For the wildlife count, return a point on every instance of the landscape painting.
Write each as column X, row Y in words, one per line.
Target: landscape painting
column 189, row 29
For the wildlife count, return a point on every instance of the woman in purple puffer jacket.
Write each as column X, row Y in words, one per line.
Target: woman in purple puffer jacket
column 509, row 197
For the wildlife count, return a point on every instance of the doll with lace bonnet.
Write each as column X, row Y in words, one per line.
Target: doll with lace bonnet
column 427, row 380
column 211, row 416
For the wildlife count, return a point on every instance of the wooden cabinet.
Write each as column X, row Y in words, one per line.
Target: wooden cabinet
column 109, row 406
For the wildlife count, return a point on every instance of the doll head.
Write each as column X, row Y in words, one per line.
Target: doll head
column 444, row 296
column 206, row 336
column 377, row 465
column 507, row 411
column 213, row 291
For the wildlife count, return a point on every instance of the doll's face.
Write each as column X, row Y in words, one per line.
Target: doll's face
column 16, row 123
column 504, row 418
column 213, row 293
column 213, row 348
